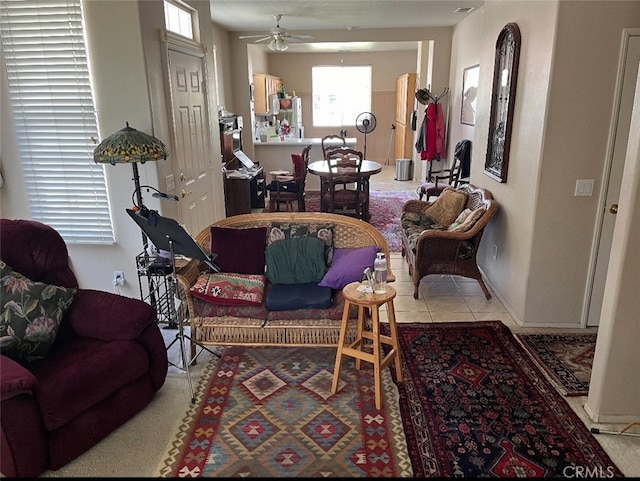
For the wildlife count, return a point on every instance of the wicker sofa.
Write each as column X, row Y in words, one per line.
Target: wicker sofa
column 252, row 326
column 440, row 251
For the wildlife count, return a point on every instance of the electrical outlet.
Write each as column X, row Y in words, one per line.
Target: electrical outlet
column 495, row 252
column 118, row 278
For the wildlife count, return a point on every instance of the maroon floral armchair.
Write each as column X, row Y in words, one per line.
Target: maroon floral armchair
column 75, row 370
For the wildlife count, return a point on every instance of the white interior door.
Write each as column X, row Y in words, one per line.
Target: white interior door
column 192, row 157
column 621, row 137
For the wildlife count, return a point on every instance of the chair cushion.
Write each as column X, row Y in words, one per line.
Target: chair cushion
column 310, row 295
column 230, row 289
column 30, row 315
column 240, row 251
column 348, row 266
column 296, row 261
column 284, row 186
column 447, row 207
column 289, row 230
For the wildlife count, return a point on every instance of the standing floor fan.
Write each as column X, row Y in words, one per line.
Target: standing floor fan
column 365, row 123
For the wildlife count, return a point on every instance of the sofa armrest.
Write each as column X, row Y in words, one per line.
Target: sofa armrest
column 107, row 316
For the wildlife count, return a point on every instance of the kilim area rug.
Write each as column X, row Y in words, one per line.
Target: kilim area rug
column 269, row 412
column 385, row 208
column 565, row 358
column 474, row 404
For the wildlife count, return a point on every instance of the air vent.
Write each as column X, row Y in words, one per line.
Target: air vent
column 464, row 9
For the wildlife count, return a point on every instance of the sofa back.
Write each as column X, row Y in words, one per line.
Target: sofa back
column 348, row 231
column 37, row 251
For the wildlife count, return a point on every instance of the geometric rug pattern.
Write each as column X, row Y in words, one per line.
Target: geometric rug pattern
column 565, row 358
column 385, row 208
column 474, row 404
column 269, row 412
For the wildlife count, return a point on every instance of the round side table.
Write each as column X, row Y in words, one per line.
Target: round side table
column 356, row 349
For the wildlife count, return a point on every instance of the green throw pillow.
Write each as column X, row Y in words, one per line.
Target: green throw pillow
column 31, row 314
column 296, row 261
column 290, row 230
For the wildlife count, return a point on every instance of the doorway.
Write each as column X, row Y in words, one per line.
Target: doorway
column 627, row 75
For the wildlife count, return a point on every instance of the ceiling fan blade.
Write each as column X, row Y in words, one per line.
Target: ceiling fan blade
column 301, row 37
column 253, row 36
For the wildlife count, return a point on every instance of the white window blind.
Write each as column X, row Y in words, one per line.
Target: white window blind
column 340, row 94
column 55, row 118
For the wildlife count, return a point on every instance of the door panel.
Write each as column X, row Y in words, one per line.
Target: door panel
column 192, row 159
column 621, row 134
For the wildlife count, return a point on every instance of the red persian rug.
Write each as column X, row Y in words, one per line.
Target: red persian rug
column 269, row 412
column 474, row 404
column 566, row 359
column 385, row 208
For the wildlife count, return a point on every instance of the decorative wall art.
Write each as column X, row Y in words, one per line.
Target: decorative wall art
column 469, row 95
column 503, row 96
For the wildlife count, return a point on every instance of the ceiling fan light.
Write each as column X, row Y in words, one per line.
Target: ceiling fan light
column 277, row 44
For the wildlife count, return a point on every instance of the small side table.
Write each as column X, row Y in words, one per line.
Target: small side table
column 356, row 349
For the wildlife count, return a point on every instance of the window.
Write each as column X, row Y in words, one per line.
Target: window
column 178, row 20
column 340, row 94
column 54, row 115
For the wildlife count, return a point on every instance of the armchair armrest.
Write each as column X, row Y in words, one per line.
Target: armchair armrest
column 415, row 205
column 109, row 317
column 15, row 379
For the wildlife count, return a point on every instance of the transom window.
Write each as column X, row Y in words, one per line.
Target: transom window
column 340, row 94
column 178, row 19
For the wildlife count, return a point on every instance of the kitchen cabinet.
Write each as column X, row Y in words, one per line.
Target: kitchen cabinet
column 406, row 86
column 264, row 86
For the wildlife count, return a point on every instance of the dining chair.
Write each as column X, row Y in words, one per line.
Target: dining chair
column 345, row 192
column 289, row 189
column 330, row 142
column 440, row 179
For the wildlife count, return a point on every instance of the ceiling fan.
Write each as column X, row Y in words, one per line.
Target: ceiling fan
column 278, row 37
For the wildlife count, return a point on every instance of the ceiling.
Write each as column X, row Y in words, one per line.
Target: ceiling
column 299, row 16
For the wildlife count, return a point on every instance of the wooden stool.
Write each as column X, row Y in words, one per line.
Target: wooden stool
column 356, row 349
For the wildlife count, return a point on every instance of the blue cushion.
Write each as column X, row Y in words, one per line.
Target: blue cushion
column 308, row 295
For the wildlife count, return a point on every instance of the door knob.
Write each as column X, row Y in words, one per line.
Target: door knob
column 185, row 193
column 182, row 176
column 613, row 209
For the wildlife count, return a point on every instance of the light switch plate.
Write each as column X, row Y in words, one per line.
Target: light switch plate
column 584, row 187
column 170, row 183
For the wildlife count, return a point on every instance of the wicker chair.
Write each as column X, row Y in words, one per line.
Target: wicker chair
column 449, row 253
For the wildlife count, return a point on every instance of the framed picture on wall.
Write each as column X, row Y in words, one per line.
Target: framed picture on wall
column 469, row 95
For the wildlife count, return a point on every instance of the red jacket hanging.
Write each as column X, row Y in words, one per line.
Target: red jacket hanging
column 435, row 133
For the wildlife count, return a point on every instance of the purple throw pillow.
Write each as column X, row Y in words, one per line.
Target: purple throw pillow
column 348, row 266
column 241, row 251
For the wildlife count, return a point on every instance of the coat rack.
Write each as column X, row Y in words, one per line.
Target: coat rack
column 424, row 96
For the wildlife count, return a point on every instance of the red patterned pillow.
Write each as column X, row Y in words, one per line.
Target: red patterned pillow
column 230, row 289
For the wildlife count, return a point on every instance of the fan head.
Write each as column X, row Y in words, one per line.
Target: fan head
column 366, row 122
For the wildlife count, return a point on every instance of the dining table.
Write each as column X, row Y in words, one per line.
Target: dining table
column 368, row 168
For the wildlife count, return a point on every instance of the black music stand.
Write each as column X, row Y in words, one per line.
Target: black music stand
column 166, row 234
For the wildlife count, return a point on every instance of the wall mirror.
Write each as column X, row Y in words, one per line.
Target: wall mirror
column 503, row 96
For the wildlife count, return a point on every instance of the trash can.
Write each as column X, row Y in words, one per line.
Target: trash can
column 404, row 169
